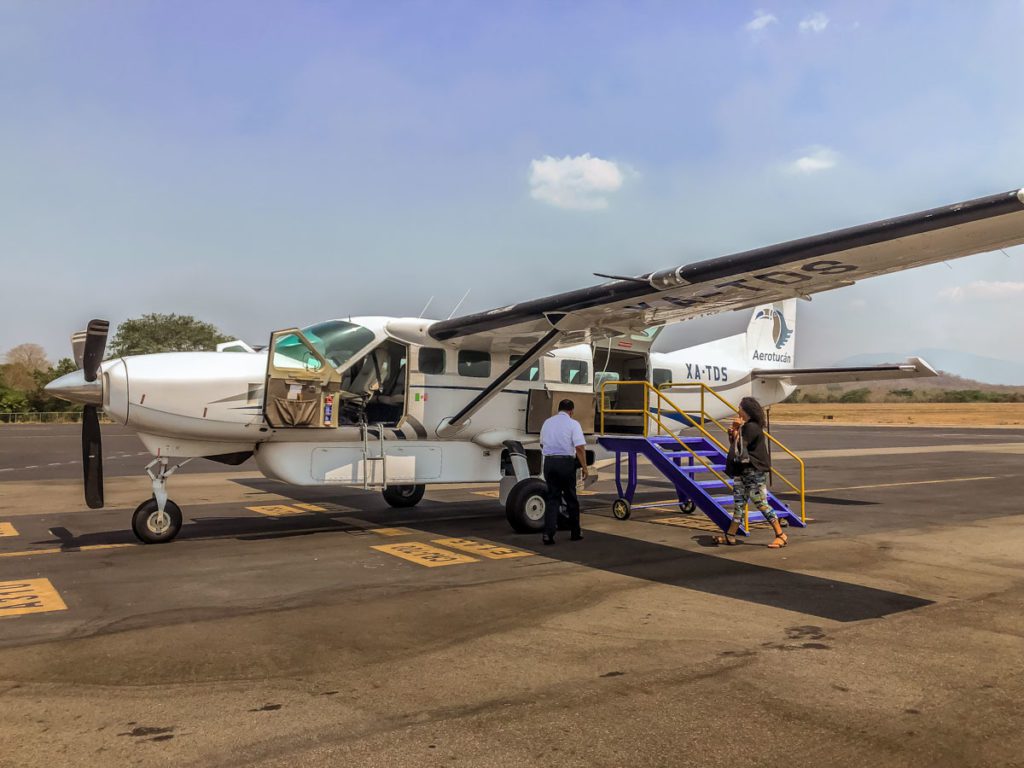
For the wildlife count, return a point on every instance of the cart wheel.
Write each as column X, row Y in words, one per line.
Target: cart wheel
column 620, row 508
column 687, row 507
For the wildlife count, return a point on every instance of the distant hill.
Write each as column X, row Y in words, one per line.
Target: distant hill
column 974, row 368
column 907, row 390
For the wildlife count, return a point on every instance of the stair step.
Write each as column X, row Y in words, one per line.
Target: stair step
column 710, row 483
column 696, row 468
column 684, row 454
column 688, row 439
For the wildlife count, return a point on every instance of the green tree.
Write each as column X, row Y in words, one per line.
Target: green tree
column 164, row 333
column 38, row 400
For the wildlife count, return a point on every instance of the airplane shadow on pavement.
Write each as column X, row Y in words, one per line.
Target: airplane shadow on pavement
column 717, row 574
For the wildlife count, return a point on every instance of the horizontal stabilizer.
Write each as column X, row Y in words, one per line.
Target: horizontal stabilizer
column 913, row 368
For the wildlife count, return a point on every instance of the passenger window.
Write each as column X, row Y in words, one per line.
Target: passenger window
column 431, row 360
column 474, row 363
column 530, row 374
column 661, row 376
column 575, row 372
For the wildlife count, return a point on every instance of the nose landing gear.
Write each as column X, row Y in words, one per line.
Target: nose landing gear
column 158, row 520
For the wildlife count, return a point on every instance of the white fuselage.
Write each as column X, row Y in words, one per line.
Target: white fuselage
column 212, row 404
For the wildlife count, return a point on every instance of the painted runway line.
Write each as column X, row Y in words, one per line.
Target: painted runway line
column 7, row 529
column 18, row 598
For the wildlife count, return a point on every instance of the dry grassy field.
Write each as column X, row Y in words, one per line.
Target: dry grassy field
column 921, row 414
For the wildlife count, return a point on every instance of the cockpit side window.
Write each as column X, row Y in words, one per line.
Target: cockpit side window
column 337, row 340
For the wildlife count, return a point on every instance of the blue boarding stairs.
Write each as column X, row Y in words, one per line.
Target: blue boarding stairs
column 692, row 459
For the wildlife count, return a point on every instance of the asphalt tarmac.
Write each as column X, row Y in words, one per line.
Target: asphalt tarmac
column 309, row 626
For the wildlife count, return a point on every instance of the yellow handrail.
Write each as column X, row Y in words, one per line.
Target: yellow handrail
column 648, row 388
column 798, row 489
column 705, row 417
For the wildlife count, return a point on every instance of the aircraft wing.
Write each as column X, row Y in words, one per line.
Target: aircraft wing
column 914, row 368
column 796, row 268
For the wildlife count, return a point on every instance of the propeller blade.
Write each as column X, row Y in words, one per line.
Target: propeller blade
column 78, row 347
column 92, row 457
column 95, row 344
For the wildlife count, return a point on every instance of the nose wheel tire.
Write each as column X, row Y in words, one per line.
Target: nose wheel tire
column 525, row 506
column 403, row 496
column 150, row 527
column 620, row 509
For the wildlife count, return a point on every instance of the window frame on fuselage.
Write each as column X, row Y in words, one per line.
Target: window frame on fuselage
column 431, row 350
column 464, row 369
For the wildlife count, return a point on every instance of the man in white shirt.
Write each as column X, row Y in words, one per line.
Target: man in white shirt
column 563, row 444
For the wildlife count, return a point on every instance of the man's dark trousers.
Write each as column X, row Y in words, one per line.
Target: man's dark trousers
column 560, row 475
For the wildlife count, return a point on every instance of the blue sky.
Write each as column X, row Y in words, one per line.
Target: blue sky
column 268, row 164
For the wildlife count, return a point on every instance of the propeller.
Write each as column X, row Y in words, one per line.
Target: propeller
column 90, row 356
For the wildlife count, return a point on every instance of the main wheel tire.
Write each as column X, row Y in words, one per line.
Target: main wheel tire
column 687, row 507
column 403, row 496
column 620, row 509
column 524, row 508
column 145, row 523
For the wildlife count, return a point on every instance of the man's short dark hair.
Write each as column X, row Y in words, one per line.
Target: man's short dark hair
column 567, row 405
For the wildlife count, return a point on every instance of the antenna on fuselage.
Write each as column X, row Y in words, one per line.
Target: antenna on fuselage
column 459, row 304
column 424, row 310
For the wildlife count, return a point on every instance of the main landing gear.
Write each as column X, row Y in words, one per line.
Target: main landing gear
column 158, row 520
column 524, row 508
column 403, row 496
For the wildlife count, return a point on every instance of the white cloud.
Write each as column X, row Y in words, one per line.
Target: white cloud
column 816, row 22
column 984, row 290
column 817, row 159
column 580, row 182
column 761, row 20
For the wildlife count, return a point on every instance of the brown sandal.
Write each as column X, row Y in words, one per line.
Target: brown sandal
column 780, row 541
column 727, row 540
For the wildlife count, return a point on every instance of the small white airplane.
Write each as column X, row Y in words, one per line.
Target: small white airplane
column 402, row 403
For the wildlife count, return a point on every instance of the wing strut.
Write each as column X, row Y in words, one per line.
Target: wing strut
column 451, row 426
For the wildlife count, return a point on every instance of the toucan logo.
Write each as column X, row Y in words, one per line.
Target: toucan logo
column 780, row 331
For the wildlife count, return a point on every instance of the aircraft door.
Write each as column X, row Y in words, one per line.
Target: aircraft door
column 623, row 358
column 301, row 387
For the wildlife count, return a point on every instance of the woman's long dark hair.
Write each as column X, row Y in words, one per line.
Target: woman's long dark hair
column 753, row 410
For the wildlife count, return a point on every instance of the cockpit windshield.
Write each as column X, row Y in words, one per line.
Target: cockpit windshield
column 337, row 340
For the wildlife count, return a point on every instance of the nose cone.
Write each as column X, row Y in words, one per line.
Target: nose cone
column 75, row 389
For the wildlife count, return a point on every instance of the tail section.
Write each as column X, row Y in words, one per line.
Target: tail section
column 771, row 335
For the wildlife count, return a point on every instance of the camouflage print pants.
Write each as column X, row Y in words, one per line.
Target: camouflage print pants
column 750, row 487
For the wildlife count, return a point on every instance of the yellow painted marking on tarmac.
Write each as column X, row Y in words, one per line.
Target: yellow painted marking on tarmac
column 276, row 510
column 60, row 550
column 28, row 552
column 7, row 529
column 698, row 524
column 424, row 554
column 90, row 547
column 18, row 598
column 390, row 531
column 310, row 507
column 483, row 548
column 495, row 494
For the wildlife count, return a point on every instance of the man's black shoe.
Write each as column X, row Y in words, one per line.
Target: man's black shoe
column 548, row 540
column 576, row 537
